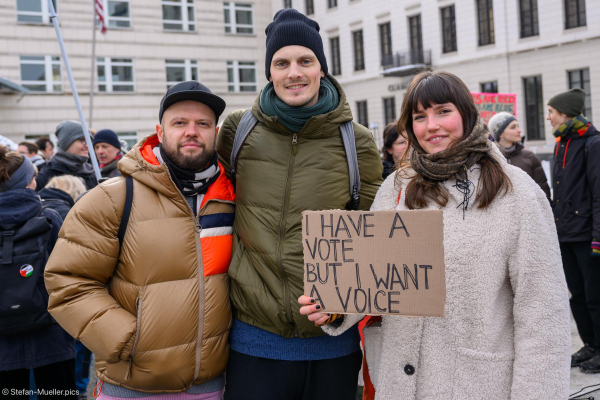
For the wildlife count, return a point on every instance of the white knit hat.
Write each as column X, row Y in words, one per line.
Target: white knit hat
column 499, row 122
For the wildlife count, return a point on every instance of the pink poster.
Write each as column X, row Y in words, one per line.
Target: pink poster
column 489, row 104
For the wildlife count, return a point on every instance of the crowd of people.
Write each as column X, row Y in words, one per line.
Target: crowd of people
column 182, row 269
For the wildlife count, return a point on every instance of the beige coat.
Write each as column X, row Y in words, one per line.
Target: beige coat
column 506, row 330
column 157, row 317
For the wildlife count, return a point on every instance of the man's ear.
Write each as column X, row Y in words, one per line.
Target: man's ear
column 159, row 132
column 322, row 74
column 270, row 78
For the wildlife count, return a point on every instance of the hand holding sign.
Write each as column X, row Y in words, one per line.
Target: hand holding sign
column 378, row 263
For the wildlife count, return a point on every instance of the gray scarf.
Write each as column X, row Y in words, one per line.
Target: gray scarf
column 73, row 162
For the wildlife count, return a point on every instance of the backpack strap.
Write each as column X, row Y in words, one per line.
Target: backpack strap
column 126, row 210
column 247, row 123
column 7, row 246
column 588, row 143
column 347, row 130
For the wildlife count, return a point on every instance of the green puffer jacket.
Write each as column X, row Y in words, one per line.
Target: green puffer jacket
column 279, row 175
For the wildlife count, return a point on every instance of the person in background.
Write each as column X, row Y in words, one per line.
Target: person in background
column 506, row 334
column 61, row 193
column 576, row 206
column 30, row 150
column 108, row 151
column 71, row 158
column 45, row 348
column 394, row 148
column 507, row 134
column 46, row 147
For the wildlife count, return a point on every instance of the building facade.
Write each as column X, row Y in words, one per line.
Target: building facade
column 148, row 46
column 531, row 48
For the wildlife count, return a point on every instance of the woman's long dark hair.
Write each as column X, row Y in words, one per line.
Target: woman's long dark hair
column 429, row 88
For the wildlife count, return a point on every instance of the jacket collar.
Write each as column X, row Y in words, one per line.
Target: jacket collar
column 17, row 206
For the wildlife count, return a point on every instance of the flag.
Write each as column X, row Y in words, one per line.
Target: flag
column 100, row 14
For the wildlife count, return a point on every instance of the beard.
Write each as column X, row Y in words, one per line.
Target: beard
column 191, row 162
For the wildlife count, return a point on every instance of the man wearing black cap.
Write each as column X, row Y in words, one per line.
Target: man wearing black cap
column 576, row 206
column 151, row 300
column 293, row 160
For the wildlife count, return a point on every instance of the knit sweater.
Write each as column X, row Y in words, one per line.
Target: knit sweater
column 506, row 330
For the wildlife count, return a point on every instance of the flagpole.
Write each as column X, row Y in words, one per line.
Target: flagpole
column 86, row 133
column 93, row 62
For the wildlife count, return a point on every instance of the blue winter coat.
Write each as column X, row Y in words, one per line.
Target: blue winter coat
column 58, row 200
column 45, row 346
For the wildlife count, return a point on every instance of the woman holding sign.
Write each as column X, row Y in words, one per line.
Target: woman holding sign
column 506, row 330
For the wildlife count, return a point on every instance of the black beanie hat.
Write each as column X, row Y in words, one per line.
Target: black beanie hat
column 291, row 28
column 107, row 136
column 570, row 102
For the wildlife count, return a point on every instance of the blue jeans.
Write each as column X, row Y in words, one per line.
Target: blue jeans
column 81, row 383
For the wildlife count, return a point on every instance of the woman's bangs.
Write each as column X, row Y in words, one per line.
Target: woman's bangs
column 429, row 91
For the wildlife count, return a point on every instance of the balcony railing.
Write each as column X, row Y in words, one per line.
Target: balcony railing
column 406, row 63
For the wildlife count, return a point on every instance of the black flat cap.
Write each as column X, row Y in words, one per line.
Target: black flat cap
column 192, row 90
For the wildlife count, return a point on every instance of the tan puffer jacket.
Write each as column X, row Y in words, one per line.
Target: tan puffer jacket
column 157, row 316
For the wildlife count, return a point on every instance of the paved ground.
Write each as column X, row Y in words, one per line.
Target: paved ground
column 579, row 380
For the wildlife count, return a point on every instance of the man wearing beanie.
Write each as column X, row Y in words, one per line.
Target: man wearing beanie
column 293, row 160
column 507, row 134
column 576, row 206
column 151, row 300
column 108, row 151
column 71, row 158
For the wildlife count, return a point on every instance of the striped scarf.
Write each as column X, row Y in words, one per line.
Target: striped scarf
column 578, row 123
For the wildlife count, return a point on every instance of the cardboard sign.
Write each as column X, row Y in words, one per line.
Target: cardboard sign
column 490, row 104
column 375, row 262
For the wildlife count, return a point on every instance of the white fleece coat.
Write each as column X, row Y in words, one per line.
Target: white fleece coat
column 506, row 330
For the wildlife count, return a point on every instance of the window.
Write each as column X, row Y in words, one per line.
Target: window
column 448, row 29
column 181, row 71
column 534, row 107
column 385, row 42
column 241, row 76
column 179, row 15
column 118, row 13
column 238, row 18
column 389, row 110
column 363, row 116
column 331, row 3
column 485, row 14
column 287, row 3
column 416, row 39
column 310, row 7
column 489, row 87
column 581, row 79
column 529, row 18
column 334, row 44
column 574, row 13
column 359, row 51
column 41, row 73
column 34, row 11
column 120, row 76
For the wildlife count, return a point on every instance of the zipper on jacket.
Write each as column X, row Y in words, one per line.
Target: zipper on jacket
column 138, row 323
column 286, row 290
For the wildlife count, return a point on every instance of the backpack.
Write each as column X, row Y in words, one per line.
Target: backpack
column 23, row 295
column 249, row 121
column 23, row 257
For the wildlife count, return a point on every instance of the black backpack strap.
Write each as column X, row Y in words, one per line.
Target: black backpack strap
column 347, row 130
column 247, row 123
column 588, row 143
column 7, row 246
column 126, row 210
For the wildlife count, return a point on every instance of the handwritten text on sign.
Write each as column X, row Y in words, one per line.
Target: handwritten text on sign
column 490, row 104
column 377, row 262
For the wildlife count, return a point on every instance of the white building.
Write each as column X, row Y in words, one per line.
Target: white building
column 533, row 48
column 148, row 45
